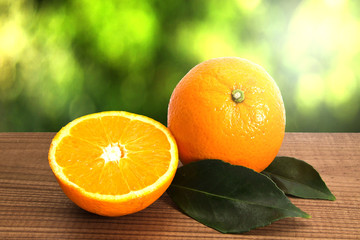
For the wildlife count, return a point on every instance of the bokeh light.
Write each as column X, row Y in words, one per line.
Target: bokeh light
column 62, row 59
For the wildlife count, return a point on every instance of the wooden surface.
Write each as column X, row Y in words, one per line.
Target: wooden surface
column 32, row 205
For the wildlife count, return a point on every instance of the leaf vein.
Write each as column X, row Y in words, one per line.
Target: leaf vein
column 294, row 181
column 232, row 199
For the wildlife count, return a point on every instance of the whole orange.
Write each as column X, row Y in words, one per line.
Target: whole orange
column 230, row 109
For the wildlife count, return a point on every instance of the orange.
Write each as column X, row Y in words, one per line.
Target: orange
column 113, row 163
column 229, row 109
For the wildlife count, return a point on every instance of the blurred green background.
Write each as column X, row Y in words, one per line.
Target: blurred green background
column 63, row 59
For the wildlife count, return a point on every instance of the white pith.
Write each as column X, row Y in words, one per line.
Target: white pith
column 112, row 152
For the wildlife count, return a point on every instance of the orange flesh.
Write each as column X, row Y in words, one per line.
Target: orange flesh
column 113, row 155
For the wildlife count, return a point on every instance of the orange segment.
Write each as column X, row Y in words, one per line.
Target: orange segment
column 113, row 163
column 90, row 130
column 114, row 127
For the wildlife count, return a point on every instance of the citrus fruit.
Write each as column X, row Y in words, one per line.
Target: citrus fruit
column 113, row 163
column 229, row 109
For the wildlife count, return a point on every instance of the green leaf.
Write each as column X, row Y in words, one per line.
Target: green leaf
column 298, row 178
column 229, row 198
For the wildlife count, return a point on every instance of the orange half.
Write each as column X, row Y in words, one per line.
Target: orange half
column 113, row 163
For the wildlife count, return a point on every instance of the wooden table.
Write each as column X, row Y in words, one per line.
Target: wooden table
column 32, row 204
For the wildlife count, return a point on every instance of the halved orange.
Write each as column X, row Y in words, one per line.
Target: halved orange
column 113, row 163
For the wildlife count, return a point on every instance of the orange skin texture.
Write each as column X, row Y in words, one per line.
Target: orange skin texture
column 208, row 124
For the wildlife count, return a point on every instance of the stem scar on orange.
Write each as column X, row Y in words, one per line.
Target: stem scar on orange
column 230, row 109
column 113, row 163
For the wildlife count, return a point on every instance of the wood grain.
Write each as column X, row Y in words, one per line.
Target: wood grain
column 32, row 205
